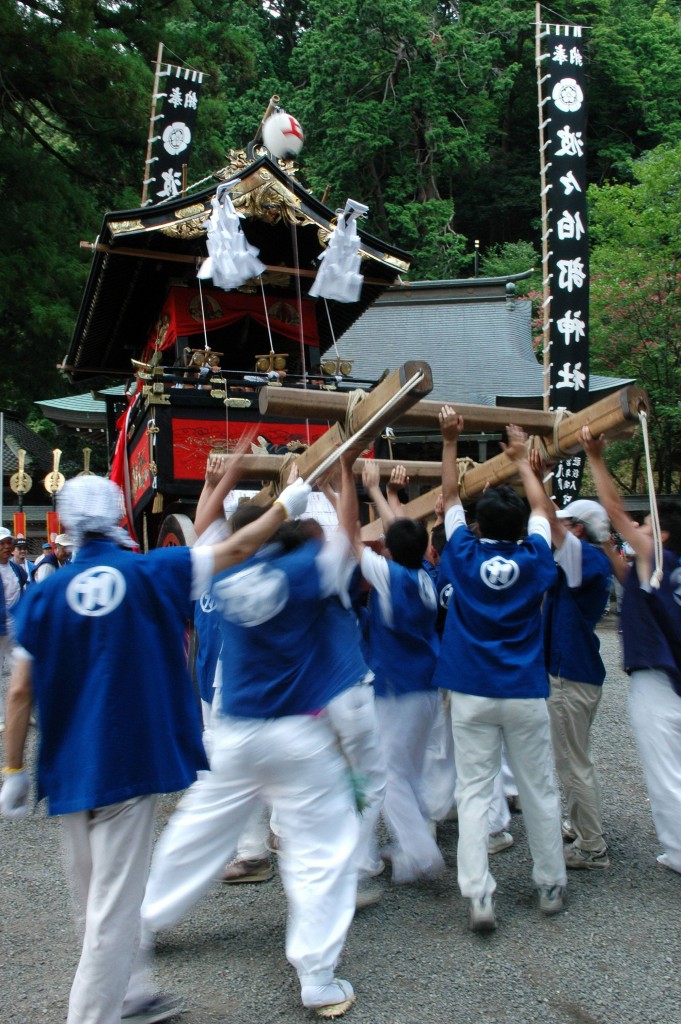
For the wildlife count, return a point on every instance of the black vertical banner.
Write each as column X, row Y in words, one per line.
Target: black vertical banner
column 177, row 106
column 563, row 87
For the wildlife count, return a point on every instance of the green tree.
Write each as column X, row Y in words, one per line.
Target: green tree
column 636, row 297
column 396, row 97
column 75, row 88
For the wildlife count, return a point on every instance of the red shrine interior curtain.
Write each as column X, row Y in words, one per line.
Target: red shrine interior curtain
column 182, row 315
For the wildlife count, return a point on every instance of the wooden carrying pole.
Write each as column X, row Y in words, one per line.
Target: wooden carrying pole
column 269, row 467
column 333, row 405
column 370, row 417
column 614, row 416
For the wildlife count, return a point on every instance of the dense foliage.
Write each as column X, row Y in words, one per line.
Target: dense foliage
column 636, row 298
column 423, row 109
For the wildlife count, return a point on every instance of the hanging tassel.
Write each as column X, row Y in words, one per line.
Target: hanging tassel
column 158, row 503
column 338, row 276
column 231, row 259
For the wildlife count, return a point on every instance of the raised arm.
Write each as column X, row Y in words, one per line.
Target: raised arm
column 611, row 501
column 398, row 480
column 371, row 481
column 223, row 473
column 517, row 450
column 559, row 529
column 348, row 503
column 451, row 426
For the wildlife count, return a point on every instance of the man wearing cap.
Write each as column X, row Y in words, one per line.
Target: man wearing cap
column 53, row 560
column 20, row 558
column 574, row 606
column 101, row 649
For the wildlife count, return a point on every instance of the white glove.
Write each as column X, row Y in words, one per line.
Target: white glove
column 14, row 795
column 293, row 498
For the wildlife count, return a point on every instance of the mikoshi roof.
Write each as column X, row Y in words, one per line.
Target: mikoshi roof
column 475, row 333
column 140, row 252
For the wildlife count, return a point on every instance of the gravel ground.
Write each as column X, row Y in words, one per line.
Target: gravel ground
column 611, row 957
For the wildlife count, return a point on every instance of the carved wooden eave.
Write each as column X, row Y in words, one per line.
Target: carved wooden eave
column 138, row 254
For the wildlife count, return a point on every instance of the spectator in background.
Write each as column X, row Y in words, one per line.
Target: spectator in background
column 20, row 558
column 53, row 560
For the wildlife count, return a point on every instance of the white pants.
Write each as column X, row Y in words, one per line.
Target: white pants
column 294, row 764
column 354, row 720
column 572, row 709
column 107, row 853
column 656, row 720
column 480, row 724
column 439, row 773
column 405, row 724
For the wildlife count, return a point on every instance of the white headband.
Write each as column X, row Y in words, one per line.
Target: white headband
column 93, row 504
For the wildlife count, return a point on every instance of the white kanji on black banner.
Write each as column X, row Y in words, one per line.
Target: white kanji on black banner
column 564, row 110
column 178, row 102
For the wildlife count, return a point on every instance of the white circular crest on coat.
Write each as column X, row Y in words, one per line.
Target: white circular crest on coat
column 96, row 591
column 207, row 602
column 498, row 573
column 446, row 595
column 252, row 596
column 427, row 590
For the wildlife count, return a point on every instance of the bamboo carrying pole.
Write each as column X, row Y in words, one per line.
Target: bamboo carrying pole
column 615, row 416
column 332, row 405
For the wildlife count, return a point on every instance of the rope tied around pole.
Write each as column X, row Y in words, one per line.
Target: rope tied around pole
column 561, row 414
column 658, row 572
column 462, row 467
column 354, row 400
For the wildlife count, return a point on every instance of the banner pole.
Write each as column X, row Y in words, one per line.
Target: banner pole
column 152, row 117
column 546, row 277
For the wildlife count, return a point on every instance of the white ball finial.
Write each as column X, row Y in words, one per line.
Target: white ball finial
column 282, row 135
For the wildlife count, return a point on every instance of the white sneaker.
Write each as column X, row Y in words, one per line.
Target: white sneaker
column 551, row 899
column 330, row 1000
column 368, row 893
column 498, row 841
column 481, row 917
column 663, row 861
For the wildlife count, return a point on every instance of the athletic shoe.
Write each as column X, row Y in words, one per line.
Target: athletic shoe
column 578, row 858
column 481, row 917
column 498, row 841
column 551, row 899
column 238, row 871
column 273, row 842
column 568, row 832
column 513, row 802
column 156, row 1009
column 330, row 1000
column 368, row 893
column 664, row 862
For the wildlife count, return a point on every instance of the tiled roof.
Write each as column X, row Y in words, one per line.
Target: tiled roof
column 85, row 410
column 475, row 335
column 38, row 450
